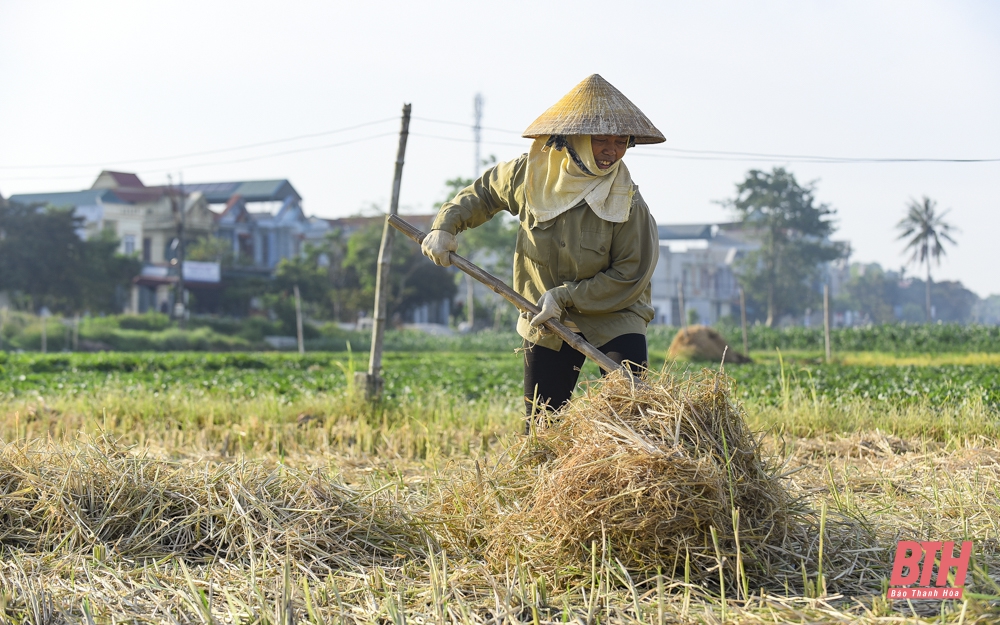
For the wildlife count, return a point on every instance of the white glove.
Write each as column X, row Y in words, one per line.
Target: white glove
column 437, row 246
column 550, row 308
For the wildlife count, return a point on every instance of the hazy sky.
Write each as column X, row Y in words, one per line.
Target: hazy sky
column 92, row 85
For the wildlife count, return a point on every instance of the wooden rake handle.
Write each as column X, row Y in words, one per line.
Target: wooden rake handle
column 497, row 286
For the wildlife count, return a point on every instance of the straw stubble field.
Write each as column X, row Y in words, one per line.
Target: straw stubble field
column 271, row 498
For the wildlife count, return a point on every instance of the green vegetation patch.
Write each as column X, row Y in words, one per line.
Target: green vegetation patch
column 941, row 384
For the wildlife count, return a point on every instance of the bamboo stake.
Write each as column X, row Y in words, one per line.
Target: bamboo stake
column 826, row 320
column 680, row 302
column 470, row 300
column 373, row 380
column 298, row 320
column 743, row 321
column 500, row 288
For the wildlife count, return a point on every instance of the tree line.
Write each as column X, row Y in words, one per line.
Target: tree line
column 44, row 262
column 784, row 275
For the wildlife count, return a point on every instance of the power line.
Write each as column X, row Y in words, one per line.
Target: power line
column 465, row 125
column 295, row 151
column 227, row 162
column 204, row 153
column 730, row 156
column 461, row 140
column 643, row 151
column 805, row 158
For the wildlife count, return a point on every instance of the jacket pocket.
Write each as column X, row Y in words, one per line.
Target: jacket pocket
column 533, row 245
column 595, row 254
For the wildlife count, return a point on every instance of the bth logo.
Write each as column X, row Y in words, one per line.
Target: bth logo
column 909, row 554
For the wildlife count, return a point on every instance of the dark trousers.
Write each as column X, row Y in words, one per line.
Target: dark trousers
column 550, row 376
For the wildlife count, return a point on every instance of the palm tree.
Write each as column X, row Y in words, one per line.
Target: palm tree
column 925, row 229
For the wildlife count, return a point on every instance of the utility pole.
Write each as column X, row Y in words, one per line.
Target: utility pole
column 177, row 207
column 470, row 292
column 372, row 380
column 476, row 129
column 180, row 255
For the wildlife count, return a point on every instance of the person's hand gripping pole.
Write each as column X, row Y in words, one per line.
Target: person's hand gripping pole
column 438, row 246
column 551, row 305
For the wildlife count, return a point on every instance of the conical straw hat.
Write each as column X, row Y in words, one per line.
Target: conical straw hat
column 594, row 107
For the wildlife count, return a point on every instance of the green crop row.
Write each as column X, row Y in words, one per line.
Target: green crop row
column 461, row 374
column 936, row 385
column 901, row 337
column 249, row 375
column 156, row 332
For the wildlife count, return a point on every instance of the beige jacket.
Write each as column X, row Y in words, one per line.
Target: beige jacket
column 600, row 270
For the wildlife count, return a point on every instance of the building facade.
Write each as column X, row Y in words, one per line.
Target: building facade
column 695, row 277
column 262, row 220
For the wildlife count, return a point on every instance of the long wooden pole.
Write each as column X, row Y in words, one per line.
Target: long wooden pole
column 298, row 320
column 826, row 320
column 500, row 288
column 743, row 321
column 373, row 381
column 680, row 302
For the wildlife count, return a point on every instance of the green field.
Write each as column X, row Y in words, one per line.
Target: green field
column 260, row 488
column 775, row 380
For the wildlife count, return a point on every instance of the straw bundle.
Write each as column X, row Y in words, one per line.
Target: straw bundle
column 100, row 498
column 703, row 344
column 645, row 475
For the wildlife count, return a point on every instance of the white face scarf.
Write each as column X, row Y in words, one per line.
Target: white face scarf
column 554, row 183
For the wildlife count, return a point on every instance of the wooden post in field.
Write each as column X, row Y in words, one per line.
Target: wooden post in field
column 680, row 303
column 76, row 332
column 470, row 300
column 372, row 380
column 298, row 320
column 44, row 337
column 743, row 321
column 826, row 320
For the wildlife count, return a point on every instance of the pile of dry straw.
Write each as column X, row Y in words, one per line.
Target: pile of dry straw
column 101, row 498
column 662, row 476
column 700, row 343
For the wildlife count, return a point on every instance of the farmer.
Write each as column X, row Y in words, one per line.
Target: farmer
column 587, row 245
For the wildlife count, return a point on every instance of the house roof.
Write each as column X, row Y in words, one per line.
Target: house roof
column 684, row 231
column 249, row 190
column 90, row 197
column 115, row 187
column 116, row 179
column 135, row 194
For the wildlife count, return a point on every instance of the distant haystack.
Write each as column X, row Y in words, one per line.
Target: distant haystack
column 703, row 344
